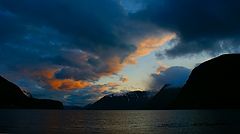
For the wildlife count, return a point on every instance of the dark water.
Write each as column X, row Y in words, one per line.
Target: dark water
column 163, row 121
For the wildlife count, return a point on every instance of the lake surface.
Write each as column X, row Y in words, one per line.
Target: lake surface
column 125, row 121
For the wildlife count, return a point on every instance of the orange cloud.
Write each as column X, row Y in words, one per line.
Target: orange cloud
column 100, row 88
column 113, row 85
column 48, row 78
column 48, row 74
column 145, row 47
column 67, row 84
column 113, row 66
column 148, row 45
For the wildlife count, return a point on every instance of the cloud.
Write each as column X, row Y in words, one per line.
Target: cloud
column 58, row 49
column 63, row 35
column 105, row 87
column 111, row 65
column 73, row 19
column 123, row 79
column 113, row 85
column 210, row 26
column 160, row 69
column 67, row 84
column 175, row 76
column 49, row 80
column 132, row 6
column 148, row 45
column 66, row 35
column 9, row 27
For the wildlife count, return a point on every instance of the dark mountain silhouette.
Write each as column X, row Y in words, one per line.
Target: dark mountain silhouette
column 213, row 84
column 163, row 98
column 130, row 100
column 11, row 96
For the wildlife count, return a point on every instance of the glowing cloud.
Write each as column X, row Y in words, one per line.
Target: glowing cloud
column 113, row 65
column 145, row 47
column 113, row 85
column 67, row 84
column 160, row 69
column 47, row 76
column 148, row 45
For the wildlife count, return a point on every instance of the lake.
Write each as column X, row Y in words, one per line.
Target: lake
column 120, row 121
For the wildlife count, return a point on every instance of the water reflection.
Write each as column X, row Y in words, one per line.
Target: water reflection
column 164, row 121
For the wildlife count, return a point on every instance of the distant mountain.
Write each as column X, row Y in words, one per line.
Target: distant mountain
column 163, row 98
column 11, row 96
column 130, row 100
column 73, row 107
column 213, row 84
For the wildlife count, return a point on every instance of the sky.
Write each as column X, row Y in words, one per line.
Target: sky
column 78, row 51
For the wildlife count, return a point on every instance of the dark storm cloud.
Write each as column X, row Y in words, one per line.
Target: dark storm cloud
column 175, row 76
column 77, row 74
column 83, row 39
column 8, row 26
column 201, row 25
column 90, row 24
column 48, row 31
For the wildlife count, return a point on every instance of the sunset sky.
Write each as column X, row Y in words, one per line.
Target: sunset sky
column 77, row 51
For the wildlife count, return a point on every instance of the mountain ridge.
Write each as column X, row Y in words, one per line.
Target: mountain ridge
column 130, row 100
column 12, row 97
column 212, row 84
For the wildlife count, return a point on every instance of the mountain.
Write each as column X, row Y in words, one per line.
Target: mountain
column 72, row 107
column 130, row 100
column 213, row 84
column 163, row 98
column 11, row 96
